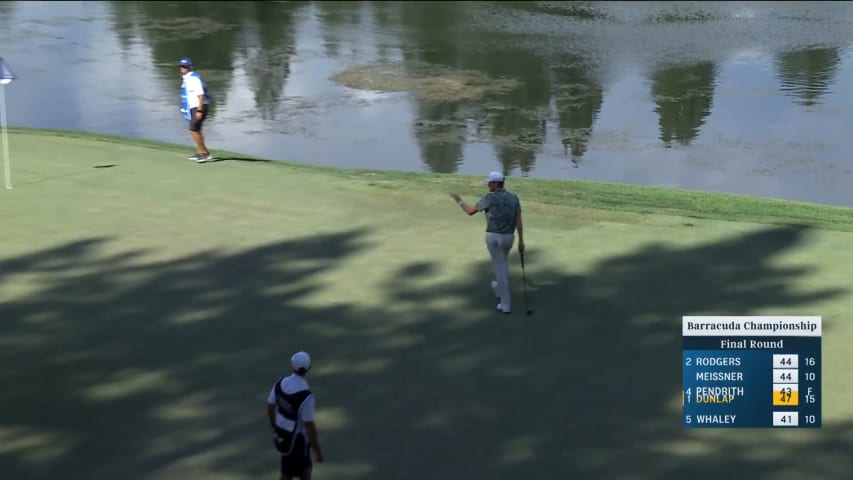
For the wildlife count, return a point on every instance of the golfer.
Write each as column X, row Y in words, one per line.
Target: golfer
column 290, row 409
column 195, row 100
column 503, row 218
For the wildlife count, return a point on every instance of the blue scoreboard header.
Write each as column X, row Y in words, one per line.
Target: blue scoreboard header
column 751, row 372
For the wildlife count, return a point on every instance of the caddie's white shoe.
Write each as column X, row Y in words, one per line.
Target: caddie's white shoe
column 502, row 309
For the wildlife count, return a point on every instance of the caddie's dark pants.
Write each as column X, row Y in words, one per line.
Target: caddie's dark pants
column 295, row 453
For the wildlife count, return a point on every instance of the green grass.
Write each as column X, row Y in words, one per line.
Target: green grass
column 146, row 309
column 581, row 194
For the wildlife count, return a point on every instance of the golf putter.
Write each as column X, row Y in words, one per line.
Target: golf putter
column 527, row 307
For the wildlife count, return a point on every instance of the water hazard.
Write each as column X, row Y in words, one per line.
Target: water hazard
column 744, row 97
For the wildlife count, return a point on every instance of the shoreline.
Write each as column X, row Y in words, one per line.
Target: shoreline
column 582, row 194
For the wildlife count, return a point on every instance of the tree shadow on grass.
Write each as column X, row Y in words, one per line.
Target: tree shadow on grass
column 115, row 368
column 589, row 387
column 123, row 367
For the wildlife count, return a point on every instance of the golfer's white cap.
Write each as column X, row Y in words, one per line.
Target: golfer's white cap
column 300, row 360
column 494, row 177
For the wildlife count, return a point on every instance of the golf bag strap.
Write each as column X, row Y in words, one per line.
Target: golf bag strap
column 288, row 405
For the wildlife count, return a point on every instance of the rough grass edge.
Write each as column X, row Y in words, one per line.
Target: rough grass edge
column 586, row 194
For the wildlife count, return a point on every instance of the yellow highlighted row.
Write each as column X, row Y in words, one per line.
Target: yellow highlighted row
column 782, row 396
column 785, row 396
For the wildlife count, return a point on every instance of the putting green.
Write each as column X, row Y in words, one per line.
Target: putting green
column 147, row 306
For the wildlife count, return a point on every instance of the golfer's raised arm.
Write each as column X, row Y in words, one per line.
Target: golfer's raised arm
column 465, row 207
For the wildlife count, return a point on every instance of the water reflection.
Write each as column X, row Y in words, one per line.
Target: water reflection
column 684, row 95
column 269, row 48
column 577, row 9
column 439, row 126
column 601, row 86
column 207, row 32
column 517, row 118
column 578, row 99
column 123, row 19
column 7, row 10
column 213, row 35
column 441, row 135
column 335, row 15
column 807, row 74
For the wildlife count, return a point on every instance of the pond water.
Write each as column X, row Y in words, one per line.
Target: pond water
column 743, row 97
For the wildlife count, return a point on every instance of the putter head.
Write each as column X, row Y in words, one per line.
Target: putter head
column 529, row 313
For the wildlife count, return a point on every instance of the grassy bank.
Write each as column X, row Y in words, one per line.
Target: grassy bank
column 578, row 194
column 147, row 303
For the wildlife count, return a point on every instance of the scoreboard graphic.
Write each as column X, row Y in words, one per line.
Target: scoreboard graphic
column 751, row 372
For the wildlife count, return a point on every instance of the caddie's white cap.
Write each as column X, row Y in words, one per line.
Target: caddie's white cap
column 300, row 360
column 494, row 177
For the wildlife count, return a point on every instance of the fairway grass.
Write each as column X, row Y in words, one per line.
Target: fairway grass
column 148, row 303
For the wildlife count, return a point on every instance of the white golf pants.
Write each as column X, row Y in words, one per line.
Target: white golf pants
column 499, row 245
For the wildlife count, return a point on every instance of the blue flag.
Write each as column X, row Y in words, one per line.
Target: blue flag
column 6, row 73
